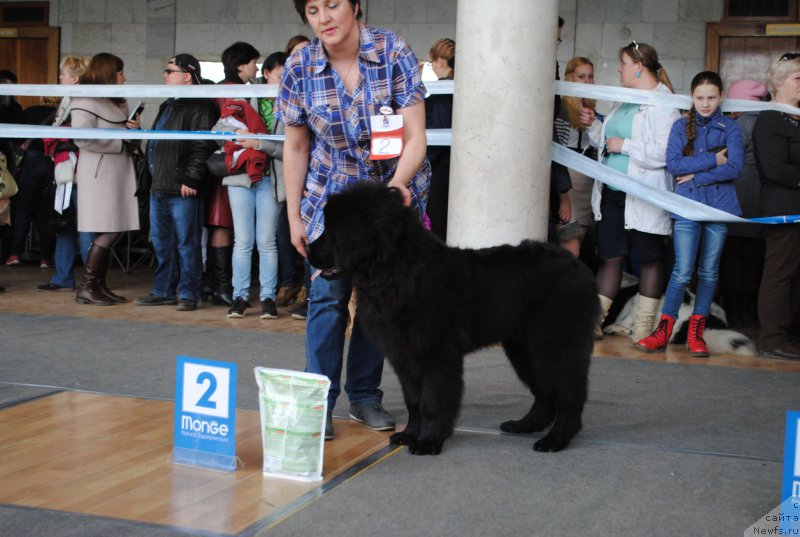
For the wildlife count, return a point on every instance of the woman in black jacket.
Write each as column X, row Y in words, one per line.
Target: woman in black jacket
column 776, row 136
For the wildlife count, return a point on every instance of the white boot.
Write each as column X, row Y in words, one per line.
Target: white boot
column 605, row 305
column 646, row 311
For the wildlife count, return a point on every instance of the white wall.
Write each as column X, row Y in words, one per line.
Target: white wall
column 597, row 29
column 146, row 32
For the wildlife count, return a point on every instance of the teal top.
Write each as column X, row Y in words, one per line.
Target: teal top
column 620, row 125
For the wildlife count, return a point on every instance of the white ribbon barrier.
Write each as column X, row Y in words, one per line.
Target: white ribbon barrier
column 8, row 130
column 573, row 89
column 683, row 102
column 669, row 201
column 436, row 137
column 150, row 91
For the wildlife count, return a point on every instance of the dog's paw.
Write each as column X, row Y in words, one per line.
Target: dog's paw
column 550, row 444
column 403, row 438
column 525, row 426
column 515, row 426
column 425, row 447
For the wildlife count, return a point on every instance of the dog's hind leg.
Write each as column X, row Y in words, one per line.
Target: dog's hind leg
column 412, row 395
column 442, row 387
column 538, row 418
column 566, row 426
column 568, row 388
column 543, row 410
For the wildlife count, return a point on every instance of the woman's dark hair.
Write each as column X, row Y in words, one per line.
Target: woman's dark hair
column 706, row 77
column 103, row 69
column 273, row 60
column 239, row 53
column 300, row 6
column 648, row 57
column 294, row 41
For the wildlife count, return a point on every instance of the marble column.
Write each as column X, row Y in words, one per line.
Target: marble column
column 502, row 121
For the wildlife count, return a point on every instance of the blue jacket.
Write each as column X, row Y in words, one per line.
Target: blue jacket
column 712, row 185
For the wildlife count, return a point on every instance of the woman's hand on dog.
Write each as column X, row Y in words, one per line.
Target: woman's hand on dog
column 403, row 189
column 298, row 233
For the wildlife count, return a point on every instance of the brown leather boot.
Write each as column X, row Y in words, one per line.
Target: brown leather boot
column 88, row 290
column 101, row 282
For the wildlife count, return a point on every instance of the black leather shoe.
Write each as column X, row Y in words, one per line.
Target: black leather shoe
column 184, row 304
column 153, row 300
column 50, row 286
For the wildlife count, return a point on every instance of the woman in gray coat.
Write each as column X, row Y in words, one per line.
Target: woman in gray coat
column 105, row 176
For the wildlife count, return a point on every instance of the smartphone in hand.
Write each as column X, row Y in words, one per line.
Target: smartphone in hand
column 137, row 111
column 717, row 149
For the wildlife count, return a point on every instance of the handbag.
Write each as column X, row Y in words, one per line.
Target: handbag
column 239, row 179
column 8, row 186
column 216, row 164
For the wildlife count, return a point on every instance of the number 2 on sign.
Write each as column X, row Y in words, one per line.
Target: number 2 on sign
column 205, row 401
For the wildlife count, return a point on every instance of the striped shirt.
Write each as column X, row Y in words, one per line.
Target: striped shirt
column 313, row 95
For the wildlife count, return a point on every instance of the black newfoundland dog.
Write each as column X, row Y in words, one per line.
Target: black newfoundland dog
column 426, row 305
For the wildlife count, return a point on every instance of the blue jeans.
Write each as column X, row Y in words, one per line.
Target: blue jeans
column 688, row 236
column 176, row 227
column 255, row 219
column 325, row 335
column 67, row 242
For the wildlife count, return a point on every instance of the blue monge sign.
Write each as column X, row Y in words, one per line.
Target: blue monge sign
column 205, row 413
column 790, row 495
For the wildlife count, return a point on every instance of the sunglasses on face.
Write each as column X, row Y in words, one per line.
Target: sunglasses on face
column 170, row 71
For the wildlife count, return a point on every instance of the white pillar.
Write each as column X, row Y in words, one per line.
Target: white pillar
column 502, row 121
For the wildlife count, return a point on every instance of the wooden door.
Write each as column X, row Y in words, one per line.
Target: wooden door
column 32, row 54
column 741, row 50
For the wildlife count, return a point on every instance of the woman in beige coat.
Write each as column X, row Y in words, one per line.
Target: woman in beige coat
column 105, row 177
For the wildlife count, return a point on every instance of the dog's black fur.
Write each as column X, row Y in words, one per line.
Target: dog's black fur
column 426, row 305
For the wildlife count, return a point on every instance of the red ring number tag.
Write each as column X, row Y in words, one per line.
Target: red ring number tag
column 386, row 137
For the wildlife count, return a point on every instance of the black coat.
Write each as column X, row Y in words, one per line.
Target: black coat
column 777, row 147
column 183, row 162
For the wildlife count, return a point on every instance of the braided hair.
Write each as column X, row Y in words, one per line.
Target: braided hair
column 706, row 77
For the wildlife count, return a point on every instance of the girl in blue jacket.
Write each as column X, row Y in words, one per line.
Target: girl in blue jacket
column 705, row 153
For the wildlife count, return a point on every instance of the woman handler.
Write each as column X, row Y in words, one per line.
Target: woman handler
column 330, row 89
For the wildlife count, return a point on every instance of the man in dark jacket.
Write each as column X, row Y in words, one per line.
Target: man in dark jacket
column 178, row 169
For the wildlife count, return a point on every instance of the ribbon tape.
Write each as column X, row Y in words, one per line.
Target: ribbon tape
column 663, row 199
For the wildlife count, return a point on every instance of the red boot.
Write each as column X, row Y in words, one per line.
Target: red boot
column 657, row 341
column 697, row 347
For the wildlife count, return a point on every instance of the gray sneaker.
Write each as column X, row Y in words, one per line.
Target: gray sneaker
column 373, row 415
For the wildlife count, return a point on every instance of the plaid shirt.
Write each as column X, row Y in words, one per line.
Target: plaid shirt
column 313, row 95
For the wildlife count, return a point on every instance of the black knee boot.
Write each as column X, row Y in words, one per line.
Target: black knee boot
column 221, row 273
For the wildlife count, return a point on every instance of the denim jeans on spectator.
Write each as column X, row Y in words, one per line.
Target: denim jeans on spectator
column 176, row 227
column 255, row 219
column 287, row 254
column 67, row 240
column 690, row 239
column 325, row 336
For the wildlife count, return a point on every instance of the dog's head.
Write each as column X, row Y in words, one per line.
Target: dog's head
column 362, row 226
